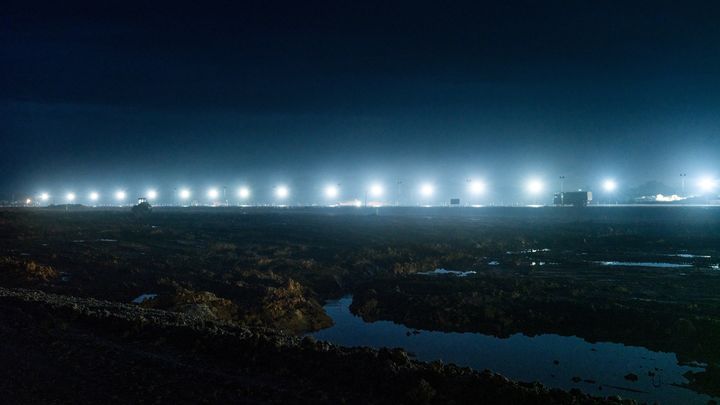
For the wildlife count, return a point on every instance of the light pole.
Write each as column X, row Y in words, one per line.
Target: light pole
column 397, row 198
column 562, row 190
column 682, row 183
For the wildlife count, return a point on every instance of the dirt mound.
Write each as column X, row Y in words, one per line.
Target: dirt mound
column 24, row 272
column 200, row 304
column 73, row 350
column 288, row 307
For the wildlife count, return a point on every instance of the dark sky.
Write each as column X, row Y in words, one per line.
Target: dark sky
column 108, row 94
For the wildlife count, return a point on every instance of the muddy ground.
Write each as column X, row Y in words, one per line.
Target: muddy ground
column 267, row 273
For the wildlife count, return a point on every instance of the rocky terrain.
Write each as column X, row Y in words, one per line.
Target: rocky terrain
column 223, row 298
column 59, row 349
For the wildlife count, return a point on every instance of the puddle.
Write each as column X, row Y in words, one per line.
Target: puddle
column 443, row 272
column 645, row 264
column 494, row 263
column 689, row 256
column 526, row 251
column 564, row 362
column 143, row 297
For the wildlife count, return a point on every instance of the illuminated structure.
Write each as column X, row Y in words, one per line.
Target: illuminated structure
column 374, row 194
column 573, row 198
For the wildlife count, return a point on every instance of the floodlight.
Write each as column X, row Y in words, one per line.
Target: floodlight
column 376, row 190
column 213, row 193
column 427, row 190
column 184, row 194
column 44, row 196
column 476, row 187
column 281, row 191
column 609, row 185
column 534, row 186
column 28, row 201
column 151, row 194
column 707, row 184
column 120, row 195
column 70, row 197
column 331, row 191
column 94, row 196
column 244, row 192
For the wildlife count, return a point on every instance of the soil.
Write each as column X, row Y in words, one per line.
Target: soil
column 236, row 287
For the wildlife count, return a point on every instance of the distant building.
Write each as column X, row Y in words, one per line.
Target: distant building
column 454, row 201
column 573, row 198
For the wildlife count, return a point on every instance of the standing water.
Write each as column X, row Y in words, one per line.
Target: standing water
column 557, row 361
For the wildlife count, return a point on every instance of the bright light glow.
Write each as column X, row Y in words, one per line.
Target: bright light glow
column 427, row 190
column 213, row 193
column 609, row 185
column 707, row 184
column 28, row 201
column 376, row 190
column 151, row 194
column 244, row 192
column 357, row 203
column 282, row 192
column 44, row 196
column 331, row 191
column 184, row 194
column 534, row 186
column 476, row 187
column 668, row 198
column 94, row 196
column 70, row 197
column 120, row 195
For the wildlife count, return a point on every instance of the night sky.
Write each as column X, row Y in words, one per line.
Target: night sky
column 128, row 95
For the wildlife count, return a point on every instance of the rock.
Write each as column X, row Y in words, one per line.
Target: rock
column 423, row 393
column 631, row 377
column 23, row 272
column 289, row 308
column 197, row 304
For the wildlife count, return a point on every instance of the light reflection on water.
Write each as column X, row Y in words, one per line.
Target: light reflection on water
column 527, row 358
column 645, row 264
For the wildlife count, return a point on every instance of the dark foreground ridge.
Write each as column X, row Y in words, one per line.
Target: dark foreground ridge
column 83, row 350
